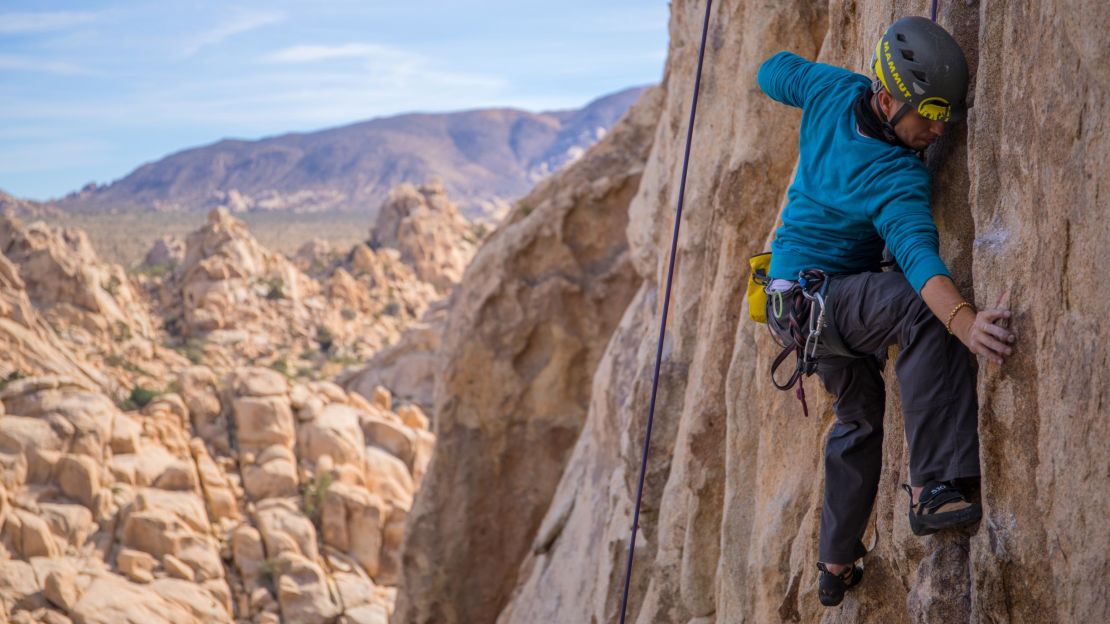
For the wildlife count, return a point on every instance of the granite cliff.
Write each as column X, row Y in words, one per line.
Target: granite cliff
column 734, row 484
column 171, row 449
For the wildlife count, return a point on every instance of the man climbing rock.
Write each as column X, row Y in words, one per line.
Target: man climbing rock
column 861, row 184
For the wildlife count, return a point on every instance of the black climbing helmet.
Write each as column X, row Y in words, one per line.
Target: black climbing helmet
column 919, row 63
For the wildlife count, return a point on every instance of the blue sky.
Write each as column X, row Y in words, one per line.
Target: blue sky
column 90, row 90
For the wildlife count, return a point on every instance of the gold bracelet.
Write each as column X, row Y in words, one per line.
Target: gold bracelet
column 953, row 313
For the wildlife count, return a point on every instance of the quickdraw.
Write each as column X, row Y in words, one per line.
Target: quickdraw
column 812, row 287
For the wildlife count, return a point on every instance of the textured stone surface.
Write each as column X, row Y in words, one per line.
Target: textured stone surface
column 729, row 526
column 524, row 334
column 423, row 224
column 122, row 506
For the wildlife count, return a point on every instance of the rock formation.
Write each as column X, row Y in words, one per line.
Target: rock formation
column 164, row 255
column 89, row 304
column 296, row 512
column 137, row 487
column 232, row 302
column 423, row 224
column 408, row 367
column 729, row 526
column 524, row 334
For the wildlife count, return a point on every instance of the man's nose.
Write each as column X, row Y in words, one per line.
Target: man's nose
column 937, row 127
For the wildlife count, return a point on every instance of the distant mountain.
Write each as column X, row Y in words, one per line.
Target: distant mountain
column 483, row 157
column 25, row 208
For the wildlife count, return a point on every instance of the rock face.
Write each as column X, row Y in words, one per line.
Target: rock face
column 232, row 302
column 524, row 335
column 215, row 494
column 91, row 305
column 731, row 507
column 126, row 515
column 433, row 238
column 409, row 366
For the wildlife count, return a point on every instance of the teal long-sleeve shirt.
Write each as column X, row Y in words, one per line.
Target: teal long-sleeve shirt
column 851, row 192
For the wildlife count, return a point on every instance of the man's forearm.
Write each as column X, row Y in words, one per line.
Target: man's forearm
column 942, row 296
column 978, row 330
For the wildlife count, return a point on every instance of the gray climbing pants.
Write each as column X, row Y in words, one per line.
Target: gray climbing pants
column 870, row 312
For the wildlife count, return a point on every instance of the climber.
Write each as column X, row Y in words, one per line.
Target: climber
column 861, row 184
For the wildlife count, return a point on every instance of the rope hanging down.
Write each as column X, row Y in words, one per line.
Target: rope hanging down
column 666, row 307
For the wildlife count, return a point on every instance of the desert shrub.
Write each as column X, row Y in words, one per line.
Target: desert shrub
column 139, row 398
column 12, row 376
column 313, row 495
column 112, row 285
column 275, row 288
column 324, row 338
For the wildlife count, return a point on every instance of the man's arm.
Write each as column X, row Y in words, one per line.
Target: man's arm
column 792, row 80
column 906, row 224
column 976, row 330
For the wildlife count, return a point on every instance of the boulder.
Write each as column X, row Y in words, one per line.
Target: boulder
column 219, row 497
column 303, row 591
column 258, row 382
column 391, row 437
column 30, row 535
column 110, row 599
column 136, row 565
column 247, row 552
column 389, row 478
column 177, row 568
column 285, row 529
column 200, row 603
column 19, row 587
column 352, row 521
column 60, row 588
column 335, row 432
column 200, row 391
column 272, row 473
column 79, row 478
column 263, row 421
column 72, row 523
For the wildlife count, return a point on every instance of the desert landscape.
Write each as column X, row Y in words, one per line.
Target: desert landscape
column 423, row 401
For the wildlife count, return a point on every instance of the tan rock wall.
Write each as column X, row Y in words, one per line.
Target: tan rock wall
column 729, row 528
column 526, row 329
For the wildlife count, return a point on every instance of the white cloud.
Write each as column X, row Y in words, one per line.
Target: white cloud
column 230, row 27
column 22, row 63
column 314, row 53
column 12, row 23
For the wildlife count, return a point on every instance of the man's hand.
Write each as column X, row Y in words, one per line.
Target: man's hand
column 983, row 336
column 983, row 333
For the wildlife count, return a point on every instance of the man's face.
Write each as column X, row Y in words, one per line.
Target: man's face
column 913, row 129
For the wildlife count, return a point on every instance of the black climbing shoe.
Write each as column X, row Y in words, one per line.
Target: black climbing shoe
column 942, row 506
column 831, row 587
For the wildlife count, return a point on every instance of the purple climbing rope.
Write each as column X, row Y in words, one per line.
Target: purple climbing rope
column 666, row 307
column 933, row 12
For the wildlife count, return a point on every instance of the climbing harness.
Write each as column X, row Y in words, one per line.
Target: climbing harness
column 666, row 307
column 812, row 287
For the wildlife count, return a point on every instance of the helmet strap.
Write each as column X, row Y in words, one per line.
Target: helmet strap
column 899, row 115
column 888, row 124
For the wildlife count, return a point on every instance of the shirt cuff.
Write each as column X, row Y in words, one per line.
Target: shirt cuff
column 925, row 270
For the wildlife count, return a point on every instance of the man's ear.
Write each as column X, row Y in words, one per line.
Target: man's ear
column 885, row 99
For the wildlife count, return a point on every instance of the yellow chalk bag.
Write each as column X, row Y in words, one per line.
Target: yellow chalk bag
column 757, row 281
